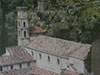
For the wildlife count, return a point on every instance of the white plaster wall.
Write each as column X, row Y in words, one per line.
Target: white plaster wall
column 44, row 63
column 9, row 67
column 19, row 42
column 78, row 64
column 53, row 65
column 16, row 66
column 24, row 42
column 65, row 63
column 24, row 65
column 22, row 14
column 5, row 68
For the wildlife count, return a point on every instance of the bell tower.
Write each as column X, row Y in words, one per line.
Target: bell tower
column 22, row 26
column 42, row 5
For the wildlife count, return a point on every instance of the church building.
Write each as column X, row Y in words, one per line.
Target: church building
column 38, row 54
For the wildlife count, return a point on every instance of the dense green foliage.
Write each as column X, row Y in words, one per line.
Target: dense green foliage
column 76, row 20
column 8, row 21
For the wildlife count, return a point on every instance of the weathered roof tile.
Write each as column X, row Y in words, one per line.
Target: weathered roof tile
column 59, row 47
column 17, row 55
column 28, row 71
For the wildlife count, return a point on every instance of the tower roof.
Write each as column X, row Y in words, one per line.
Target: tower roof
column 21, row 8
column 36, row 29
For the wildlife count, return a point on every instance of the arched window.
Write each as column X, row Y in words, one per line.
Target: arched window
column 49, row 58
column 24, row 24
column 19, row 33
column 28, row 63
column 20, row 65
column 0, row 68
column 40, row 56
column 58, row 61
column 68, row 66
column 32, row 53
column 11, row 66
column 24, row 33
column 19, row 23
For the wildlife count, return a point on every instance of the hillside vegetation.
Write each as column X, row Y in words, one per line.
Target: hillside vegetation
column 76, row 20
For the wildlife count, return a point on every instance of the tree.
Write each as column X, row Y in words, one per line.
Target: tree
column 11, row 28
column 3, row 36
column 59, row 30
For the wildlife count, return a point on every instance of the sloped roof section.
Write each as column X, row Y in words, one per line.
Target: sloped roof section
column 29, row 71
column 17, row 72
column 17, row 55
column 68, row 72
column 40, row 71
column 36, row 29
column 59, row 47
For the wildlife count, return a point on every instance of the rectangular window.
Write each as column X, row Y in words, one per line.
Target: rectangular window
column 20, row 65
column 28, row 63
column 32, row 53
column 40, row 56
column 11, row 66
column 58, row 61
column 49, row 58
column 24, row 24
column 19, row 23
column 0, row 68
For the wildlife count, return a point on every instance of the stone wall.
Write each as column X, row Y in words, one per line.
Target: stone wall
column 52, row 65
column 17, row 66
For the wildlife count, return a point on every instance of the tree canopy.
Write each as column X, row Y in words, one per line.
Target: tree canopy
column 76, row 20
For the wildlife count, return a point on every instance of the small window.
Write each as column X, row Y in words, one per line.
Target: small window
column 67, row 66
column 19, row 23
column 11, row 66
column 24, row 24
column 20, row 65
column 0, row 68
column 24, row 33
column 28, row 63
column 19, row 33
column 32, row 53
column 49, row 58
column 67, row 58
column 40, row 56
column 58, row 61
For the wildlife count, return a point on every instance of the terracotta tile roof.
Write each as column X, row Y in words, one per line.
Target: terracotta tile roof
column 17, row 72
column 36, row 29
column 59, row 47
column 28, row 71
column 68, row 72
column 40, row 71
column 17, row 55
